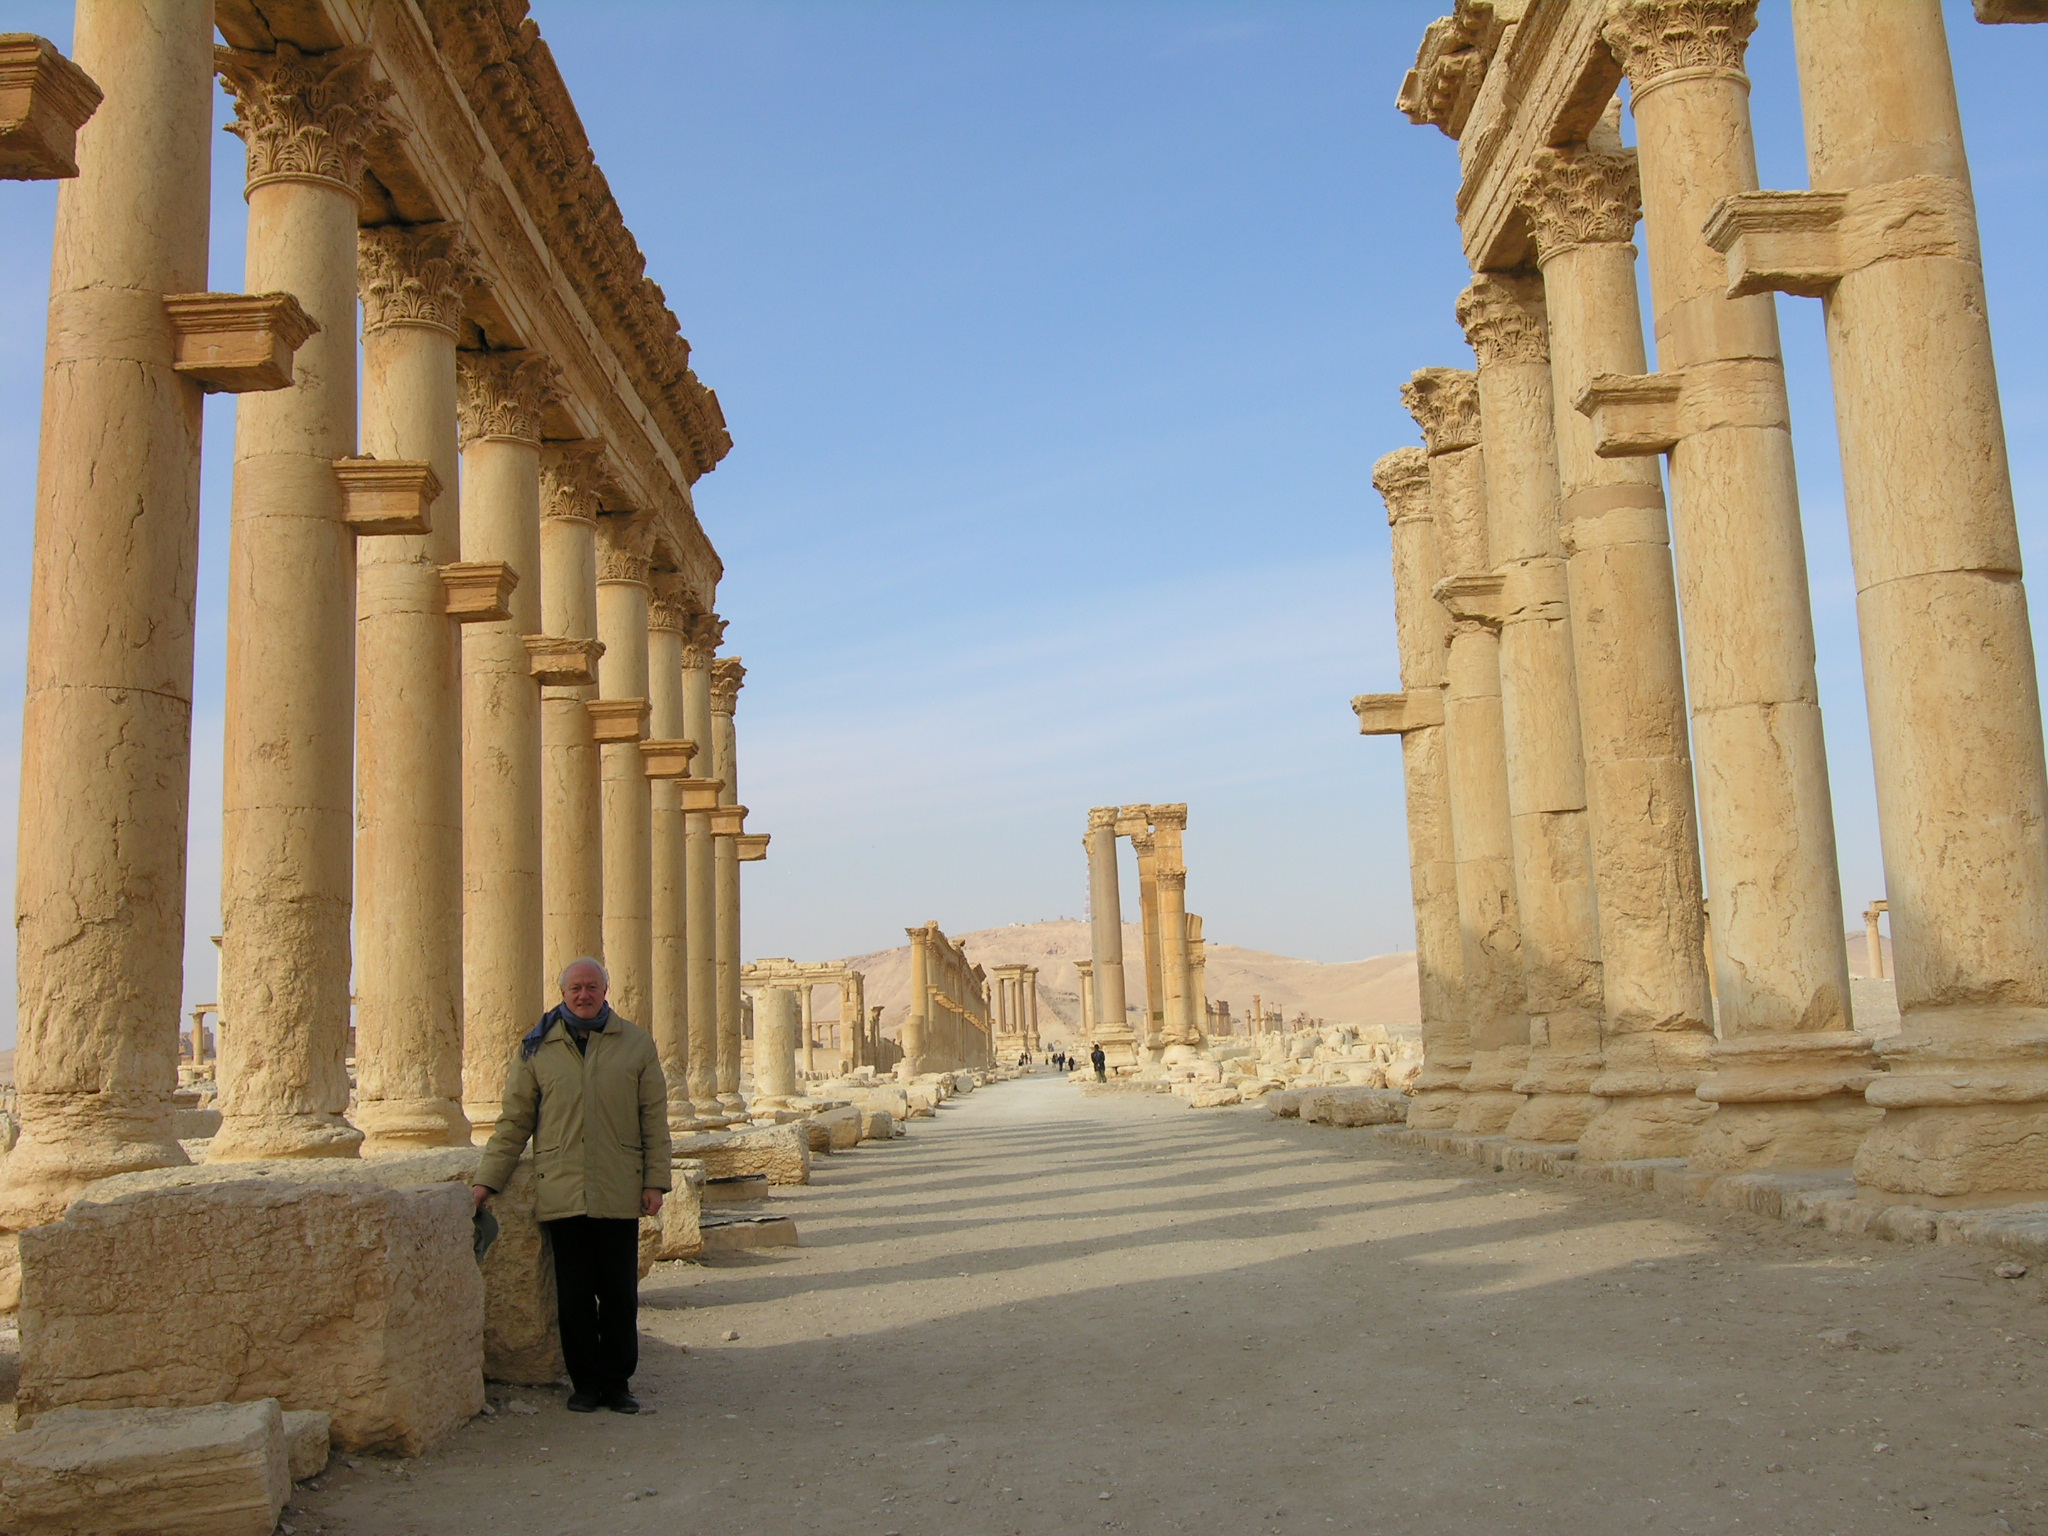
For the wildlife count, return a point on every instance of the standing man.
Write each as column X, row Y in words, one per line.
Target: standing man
column 586, row 1086
column 1098, row 1060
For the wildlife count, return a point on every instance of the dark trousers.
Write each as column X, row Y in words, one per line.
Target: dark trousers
column 597, row 1295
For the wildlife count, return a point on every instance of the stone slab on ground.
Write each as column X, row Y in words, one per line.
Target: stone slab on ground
column 1353, row 1106
column 682, row 1213
column 328, row 1293
column 1213, row 1098
column 782, row 1152
column 743, row 1234
column 221, row 1469
column 841, row 1128
column 878, row 1125
column 308, row 1442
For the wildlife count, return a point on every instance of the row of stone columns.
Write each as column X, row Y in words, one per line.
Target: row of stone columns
column 1172, row 938
column 1557, row 867
column 948, row 1024
column 413, row 729
column 1013, row 1005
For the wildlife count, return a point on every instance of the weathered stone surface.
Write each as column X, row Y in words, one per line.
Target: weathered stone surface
column 1284, row 1104
column 1214, row 1098
column 782, row 1152
column 308, row 1438
column 327, row 1293
column 1365, row 1106
column 680, row 1221
column 217, row 1470
column 841, row 1127
column 878, row 1125
column 740, row 1234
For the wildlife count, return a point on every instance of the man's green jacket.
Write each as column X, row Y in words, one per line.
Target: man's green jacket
column 598, row 1119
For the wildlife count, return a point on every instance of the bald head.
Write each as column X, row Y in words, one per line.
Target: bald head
column 584, row 984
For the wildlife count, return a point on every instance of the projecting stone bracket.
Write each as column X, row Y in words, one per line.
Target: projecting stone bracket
column 700, row 794
column 729, row 821
column 559, row 662
column 1474, row 599
column 614, row 721
column 668, row 759
column 44, row 100
column 1635, row 415
column 1806, row 242
column 237, row 343
column 381, row 496
column 479, row 591
column 1396, row 714
column 1992, row 11
column 753, row 847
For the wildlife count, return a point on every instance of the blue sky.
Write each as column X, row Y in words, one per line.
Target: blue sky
column 1057, row 342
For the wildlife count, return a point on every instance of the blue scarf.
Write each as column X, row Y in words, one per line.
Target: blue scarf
column 530, row 1042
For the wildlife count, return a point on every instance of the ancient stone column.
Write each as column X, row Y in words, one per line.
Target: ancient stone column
column 504, row 974
column 853, row 1015
column 727, row 678
column 1148, row 928
column 107, row 724
column 776, row 1026
column 1582, row 208
column 1085, row 970
column 700, row 884
column 572, row 820
column 1169, row 825
column 1109, row 1006
column 1445, row 404
column 1788, row 1072
column 1887, row 239
column 917, row 1020
column 668, row 622
column 409, row 779
column 1422, row 630
column 1503, row 319
column 809, row 1036
column 289, row 758
column 1031, row 1011
column 623, row 570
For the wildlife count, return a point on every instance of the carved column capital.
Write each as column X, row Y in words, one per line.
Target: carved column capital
column 305, row 116
column 1503, row 319
column 706, row 632
column 1580, row 196
column 728, row 676
column 1445, row 404
column 1101, row 816
column 1657, row 40
column 1402, row 478
column 504, row 394
column 669, row 612
column 1142, row 844
column 414, row 274
column 572, row 481
column 1173, row 817
column 1171, row 879
column 622, row 552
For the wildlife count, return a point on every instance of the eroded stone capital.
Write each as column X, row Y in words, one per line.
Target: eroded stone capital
column 669, row 612
column 1445, row 404
column 572, row 481
column 1580, row 196
column 1658, row 39
column 505, row 394
column 1170, row 878
column 414, row 274
column 1503, row 319
column 728, row 676
column 1172, row 817
column 701, row 639
column 1402, row 479
column 305, row 116
column 1450, row 66
column 1101, row 816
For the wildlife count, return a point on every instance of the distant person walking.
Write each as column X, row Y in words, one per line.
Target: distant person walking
column 1100, row 1062
column 586, row 1087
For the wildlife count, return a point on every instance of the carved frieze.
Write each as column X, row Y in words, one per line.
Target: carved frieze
column 1445, row 404
column 1503, row 319
column 305, row 116
column 505, row 394
column 1655, row 38
column 1402, row 478
column 1579, row 197
column 414, row 274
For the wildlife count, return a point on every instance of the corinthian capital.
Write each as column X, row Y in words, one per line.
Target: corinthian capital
column 1445, row 404
column 728, row 676
column 1503, row 319
column 706, row 632
column 414, row 274
column 505, row 394
column 1579, row 197
column 1173, row 817
column 304, row 116
column 1170, row 878
column 1101, row 816
column 1402, row 478
column 669, row 611
column 622, row 549
column 1657, row 38
column 572, row 481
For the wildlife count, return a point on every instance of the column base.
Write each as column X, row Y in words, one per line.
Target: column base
column 482, row 1119
column 1643, row 1126
column 249, row 1138
column 1434, row 1109
column 1553, row 1117
column 73, row 1141
column 410, row 1125
column 1957, row 1154
column 1786, row 1101
column 1486, row 1112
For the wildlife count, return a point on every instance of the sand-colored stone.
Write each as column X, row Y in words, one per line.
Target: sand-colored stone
column 223, row 1469
column 879, row 1125
column 728, row 676
column 775, row 1031
column 782, row 1152
column 308, row 1441
column 700, row 875
column 624, row 566
column 679, row 1226
column 330, row 1294
column 572, row 825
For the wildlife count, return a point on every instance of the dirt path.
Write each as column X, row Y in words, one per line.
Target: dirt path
column 1051, row 1313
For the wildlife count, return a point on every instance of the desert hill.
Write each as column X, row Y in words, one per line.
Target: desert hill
column 1376, row 991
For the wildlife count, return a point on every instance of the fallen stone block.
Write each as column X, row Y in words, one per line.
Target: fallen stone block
column 841, row 1127
column 782, row 1152
column 680, row 1223
column 325, row 1292
column 877, row 1125
column 1365, row 1106
column 742, row 1234
column 1214, row 1098
column 308, row 1440
column 217, row 1470
column 1284, row 1103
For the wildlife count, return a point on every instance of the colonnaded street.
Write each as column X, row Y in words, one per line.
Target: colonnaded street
column 1046, row 1311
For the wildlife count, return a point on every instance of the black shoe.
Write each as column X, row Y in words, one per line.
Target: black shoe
column 584, row 1402
column 622, row 1401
